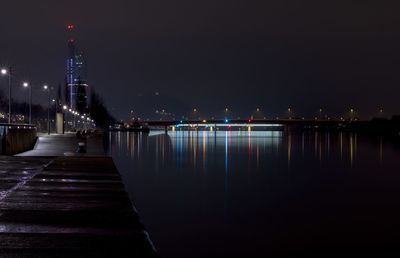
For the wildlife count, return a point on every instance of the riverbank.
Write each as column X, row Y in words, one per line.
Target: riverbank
column 65, row 145
column 55, row 203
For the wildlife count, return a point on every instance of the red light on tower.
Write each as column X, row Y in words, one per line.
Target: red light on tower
column 70, row 27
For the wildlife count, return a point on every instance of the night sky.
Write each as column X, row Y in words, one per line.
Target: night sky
column 210, row 54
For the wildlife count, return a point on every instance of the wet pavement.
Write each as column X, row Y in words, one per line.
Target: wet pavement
column 65, row 145
column 67, row 207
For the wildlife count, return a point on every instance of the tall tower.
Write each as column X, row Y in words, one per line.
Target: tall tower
column 76, row 97
column 71, row 67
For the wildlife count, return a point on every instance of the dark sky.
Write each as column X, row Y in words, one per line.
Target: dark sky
column 210, row 54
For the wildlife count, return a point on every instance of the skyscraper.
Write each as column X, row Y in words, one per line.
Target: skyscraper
column 76, row 79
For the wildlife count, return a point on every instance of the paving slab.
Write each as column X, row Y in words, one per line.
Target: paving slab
column 65, row 145
column 67, row 207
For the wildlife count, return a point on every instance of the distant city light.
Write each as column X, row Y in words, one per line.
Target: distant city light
column 4, row 71
column 64, row 107
column 45, row 87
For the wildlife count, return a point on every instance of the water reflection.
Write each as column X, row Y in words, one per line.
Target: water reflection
column 197, row 147
column 253, row 187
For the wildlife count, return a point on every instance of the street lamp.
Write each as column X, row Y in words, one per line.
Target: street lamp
column 8, row 72
column 26, row 85
column 352, row 113
column 46, row 88
column 65, row 115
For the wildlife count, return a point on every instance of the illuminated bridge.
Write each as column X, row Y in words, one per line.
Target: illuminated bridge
column 246, row 123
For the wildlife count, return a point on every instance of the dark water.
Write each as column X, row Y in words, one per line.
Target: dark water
column 241, row 194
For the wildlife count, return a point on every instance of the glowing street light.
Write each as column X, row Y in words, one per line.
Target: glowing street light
column 26, row 85
column 46, row 88
column 4, row 72
column 290, row 112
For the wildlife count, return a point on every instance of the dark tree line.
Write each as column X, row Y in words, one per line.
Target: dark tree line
column 391, row 126
column 21, row 108
column 99, row 112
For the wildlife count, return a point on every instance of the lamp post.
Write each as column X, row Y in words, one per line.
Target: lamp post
column 351, row 113
column 8, row 72
column 26, row 85
column 65, row 120
column 46, row 88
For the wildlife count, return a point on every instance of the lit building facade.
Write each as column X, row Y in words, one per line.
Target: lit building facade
column 76, row 78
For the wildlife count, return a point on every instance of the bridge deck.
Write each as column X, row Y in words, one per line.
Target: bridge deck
column 251, row 122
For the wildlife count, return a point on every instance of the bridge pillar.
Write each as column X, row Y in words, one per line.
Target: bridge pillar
column 166, row 129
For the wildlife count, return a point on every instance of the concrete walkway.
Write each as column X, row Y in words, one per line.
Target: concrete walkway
column 55, row 202
column 64, row 145
column 67, row 207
